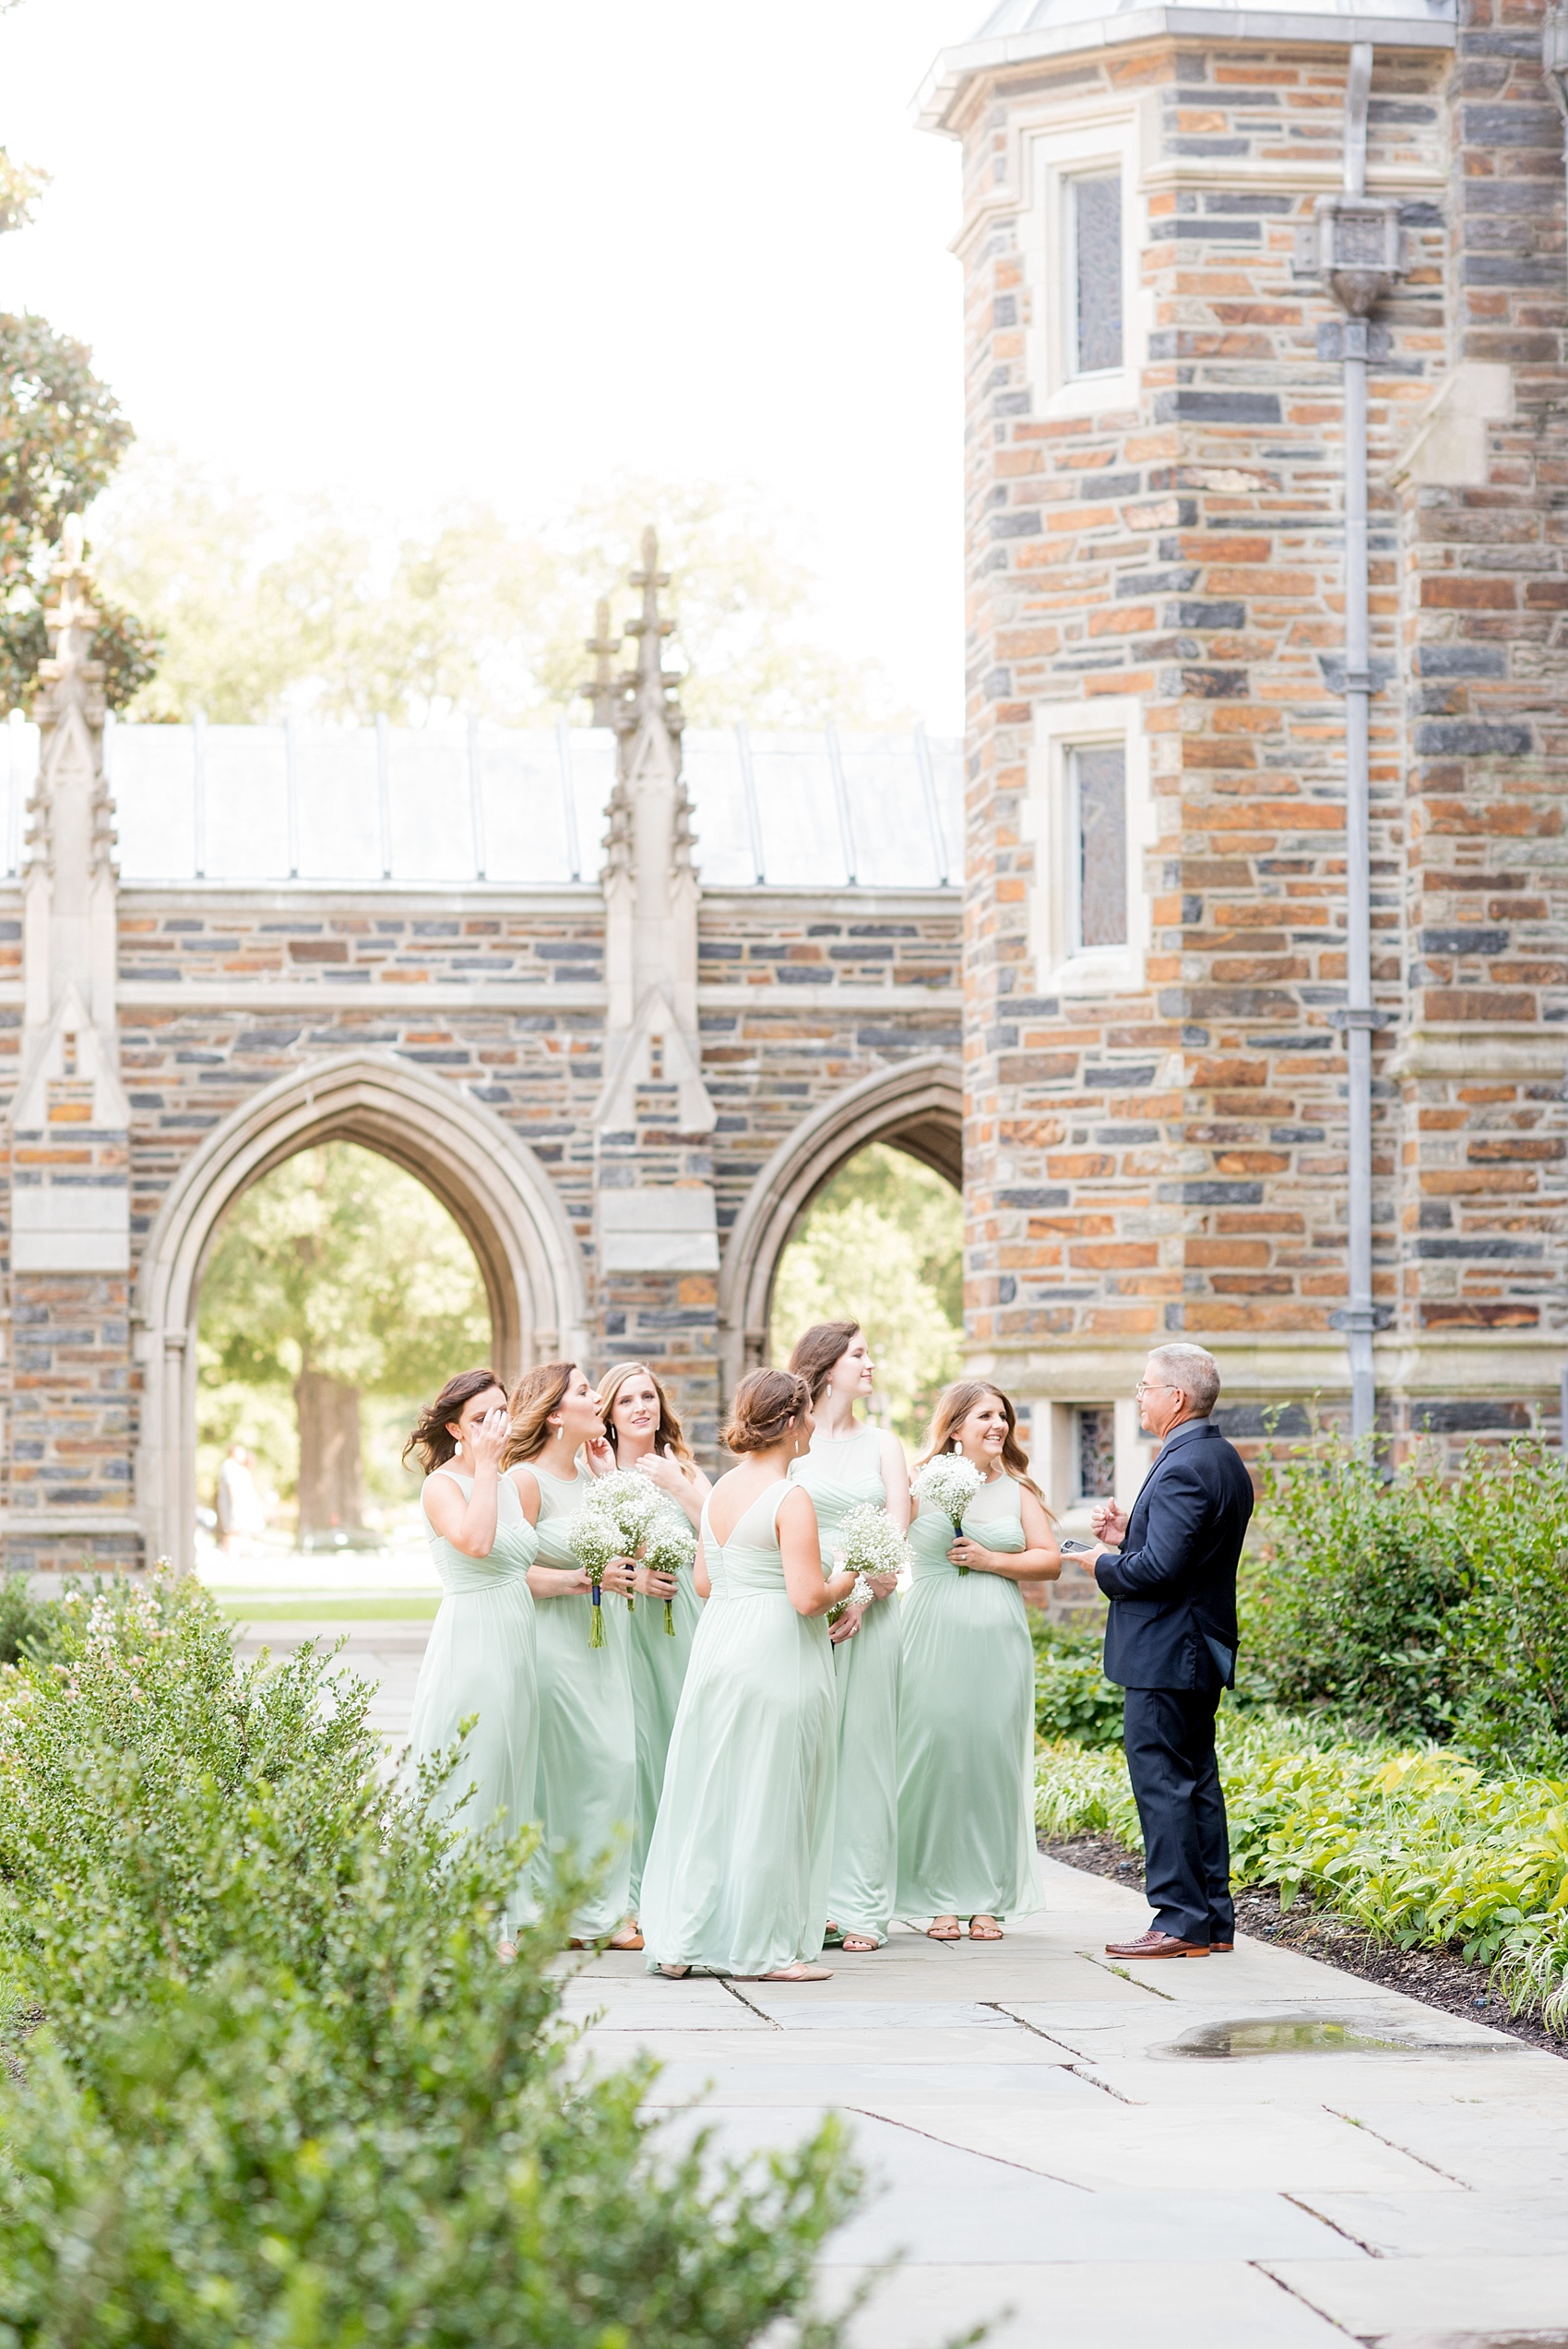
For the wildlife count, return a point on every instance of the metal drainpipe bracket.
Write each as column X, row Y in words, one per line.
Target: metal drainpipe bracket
column 1362, row 1015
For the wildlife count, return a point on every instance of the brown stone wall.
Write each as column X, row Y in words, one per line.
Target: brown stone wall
column 1172, row 1160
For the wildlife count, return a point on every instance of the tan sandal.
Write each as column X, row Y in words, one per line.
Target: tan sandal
column 798, row 1973
column 992, row 1933
column 857, row 1944
column 674, row 1973
column 625, row 1940
column 937, row 1929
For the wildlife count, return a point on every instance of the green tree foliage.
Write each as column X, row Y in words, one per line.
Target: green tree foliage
column 62, row 434
column 344, row 616
column 285, row 2092
column 337, row 1265
column 881, row 1243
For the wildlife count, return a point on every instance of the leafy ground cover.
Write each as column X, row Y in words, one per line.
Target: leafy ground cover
column 1422, row 1847
column 267, row 2080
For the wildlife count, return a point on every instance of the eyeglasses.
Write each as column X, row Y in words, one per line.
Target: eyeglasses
column 1143, row 1385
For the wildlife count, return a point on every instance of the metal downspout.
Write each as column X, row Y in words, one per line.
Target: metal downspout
column 1359, row 1015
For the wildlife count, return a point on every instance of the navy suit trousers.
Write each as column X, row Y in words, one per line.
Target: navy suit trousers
column 1169, row 1734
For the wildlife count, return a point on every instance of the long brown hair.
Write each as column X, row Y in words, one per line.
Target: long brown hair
column 668, row 1432
column 537, row 1393
column 432, row 1438
column 953, row 1405
column 818, row 1353
column 764, row 1403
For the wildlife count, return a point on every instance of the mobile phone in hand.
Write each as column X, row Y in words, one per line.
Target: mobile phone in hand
column 1067, row 1543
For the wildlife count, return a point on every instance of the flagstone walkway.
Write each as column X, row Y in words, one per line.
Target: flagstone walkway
column 1065, row 2148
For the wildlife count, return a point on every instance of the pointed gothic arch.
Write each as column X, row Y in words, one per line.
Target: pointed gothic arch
column 492, row 1185
column 917, row 1107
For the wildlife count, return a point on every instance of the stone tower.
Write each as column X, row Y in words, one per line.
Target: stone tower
column 1189, row 237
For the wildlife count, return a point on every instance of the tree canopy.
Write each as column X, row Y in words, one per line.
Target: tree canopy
column 881, row 1243
column 62, row 434
column 336, row 1266
column 324, row 611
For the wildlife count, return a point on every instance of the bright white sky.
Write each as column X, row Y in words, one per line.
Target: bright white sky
column 495, row 248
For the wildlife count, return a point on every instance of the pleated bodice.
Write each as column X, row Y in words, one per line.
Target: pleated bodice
column 995, row 1519
column 840, row 1474
column 560, row 1499
column 515, row 1546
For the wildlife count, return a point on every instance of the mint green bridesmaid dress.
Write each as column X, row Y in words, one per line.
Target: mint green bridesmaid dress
column 587, row 1754
column 481, row 1659
column 841, row 1473
column 966, row 1724
column 736, row 1877
column 658, row 1673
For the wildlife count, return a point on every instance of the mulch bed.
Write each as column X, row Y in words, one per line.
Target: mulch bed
column 1437, row 1977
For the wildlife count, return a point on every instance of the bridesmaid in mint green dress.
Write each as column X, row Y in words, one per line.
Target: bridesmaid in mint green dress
column 736, row 1879
column 481, row 1656
column 848, row 1466
column 587, row 1762
column 643, row 1432
column 966, row 1721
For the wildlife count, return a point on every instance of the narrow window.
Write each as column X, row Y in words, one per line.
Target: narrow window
column 1094, row 1428
column 1094, row 274
column 1100, row 846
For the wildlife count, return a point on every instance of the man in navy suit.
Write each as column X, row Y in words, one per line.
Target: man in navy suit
column 1171, row 1640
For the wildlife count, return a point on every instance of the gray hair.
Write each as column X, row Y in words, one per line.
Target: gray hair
column 1194, row 1370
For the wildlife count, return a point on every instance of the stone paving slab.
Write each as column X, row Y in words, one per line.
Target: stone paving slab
column 1429, row 2227
column 1395, row 2302
column 1095, row 2304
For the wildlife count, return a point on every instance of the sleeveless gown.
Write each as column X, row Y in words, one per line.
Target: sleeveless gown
column 736, row 1878
column 481, row 1659
column 658, row 1672
column 966, row 1724
column 588, row 1757
column 840, row 1474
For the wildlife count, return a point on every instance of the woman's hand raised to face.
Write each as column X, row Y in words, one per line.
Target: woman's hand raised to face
column 489, row 1438
column 599, row 1453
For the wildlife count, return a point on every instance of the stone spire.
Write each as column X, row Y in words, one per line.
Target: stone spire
column 601, row 689
column 70, row 1073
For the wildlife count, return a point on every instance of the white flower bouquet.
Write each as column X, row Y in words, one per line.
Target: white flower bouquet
column 869, row 1542
column 671, row 1548
column 950, row 1483
column 593, row 1540
column 630, row 1503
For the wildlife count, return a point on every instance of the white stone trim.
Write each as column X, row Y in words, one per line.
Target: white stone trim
column 1045, row 819
column 1051, row 154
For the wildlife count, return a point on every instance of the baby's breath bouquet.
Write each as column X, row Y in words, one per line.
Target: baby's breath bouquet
column 950, row 1483
column 630, row 1503
column 593, row 1540
column 671, row 1548
column 868, row 1542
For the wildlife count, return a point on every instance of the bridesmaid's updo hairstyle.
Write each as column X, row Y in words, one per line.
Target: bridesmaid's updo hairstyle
column 953, row 1405
column 432, row 1437
column 537, row 1393
column 818, row 1353
column 766, row 1402
column 668, row 1429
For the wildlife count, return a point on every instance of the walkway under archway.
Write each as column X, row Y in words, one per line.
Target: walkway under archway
column 492, row 1185
column 917, row 1106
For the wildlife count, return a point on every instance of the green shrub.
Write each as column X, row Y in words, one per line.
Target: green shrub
column 1422, row 1848
column 1072, row 1697
column 24, row 1620
column 1511, row 1525
column 285, row 2092
column 1347, row 1596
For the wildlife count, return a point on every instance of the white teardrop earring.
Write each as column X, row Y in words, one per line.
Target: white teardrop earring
column 457, row 1449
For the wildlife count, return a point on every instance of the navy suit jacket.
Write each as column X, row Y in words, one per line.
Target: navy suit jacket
column 1172, row 1584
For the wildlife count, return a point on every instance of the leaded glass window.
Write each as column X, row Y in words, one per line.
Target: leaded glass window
column 1099, row 860
column 1094, row 1428
column 1094, row 216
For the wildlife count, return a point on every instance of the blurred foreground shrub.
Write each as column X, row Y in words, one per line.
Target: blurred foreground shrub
column 270, row 2081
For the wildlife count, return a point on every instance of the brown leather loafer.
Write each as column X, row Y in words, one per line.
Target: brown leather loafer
column 1222, row 1949
column 1157, row 1945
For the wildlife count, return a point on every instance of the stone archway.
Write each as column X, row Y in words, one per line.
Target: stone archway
column 492, row 1185
column 917, row 1106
